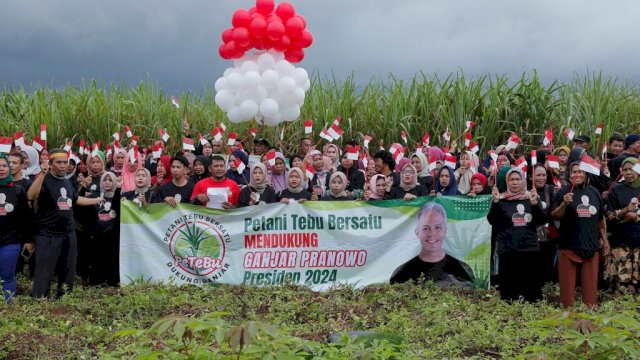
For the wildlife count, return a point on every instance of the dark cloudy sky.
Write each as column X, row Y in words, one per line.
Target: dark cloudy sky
column 175, row 42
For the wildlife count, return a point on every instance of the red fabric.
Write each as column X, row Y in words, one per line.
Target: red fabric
column 166, row 162
column 204, row 184
column 569, row 266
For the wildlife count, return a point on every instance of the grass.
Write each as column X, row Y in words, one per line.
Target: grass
column 432, row 323
column 380, row 108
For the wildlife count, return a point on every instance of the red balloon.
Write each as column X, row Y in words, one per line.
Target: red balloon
column 265, row 7
column 303, row 20
column 285, row 10
column 253, row 10
column 227, row 35
column 282, row 45
column 304, row 41
column 273, row 17
column 258, row 28
column 294, row 56
column 275, row 30
column 294, row 26
column 233, row 50
column 222, row 50
column 241, row 18
column 241, row 36
column 257, row 15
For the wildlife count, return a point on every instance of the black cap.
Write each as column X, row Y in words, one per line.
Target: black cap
column 262, row 142
column 582, row 138
column 630, row 140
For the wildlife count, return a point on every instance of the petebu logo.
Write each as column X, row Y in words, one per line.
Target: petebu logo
column 196, row 246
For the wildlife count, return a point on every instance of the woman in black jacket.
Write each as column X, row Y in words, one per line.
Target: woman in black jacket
column 515, row 215
column 409, row 187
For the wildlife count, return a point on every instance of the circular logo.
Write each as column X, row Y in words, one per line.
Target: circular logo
column 178, row 197
column 197, row 247
column 8, row 207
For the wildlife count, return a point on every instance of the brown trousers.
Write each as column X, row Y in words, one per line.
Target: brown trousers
column 569, row 266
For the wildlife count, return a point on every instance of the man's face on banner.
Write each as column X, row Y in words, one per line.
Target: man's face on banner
column 431, row 230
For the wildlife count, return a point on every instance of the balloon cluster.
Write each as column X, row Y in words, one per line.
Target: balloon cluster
column 264, row 86
column 265, row 27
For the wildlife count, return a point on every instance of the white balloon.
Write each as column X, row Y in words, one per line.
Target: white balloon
column 268, row 107
column 297, row 96
column 252, row 79
column 227, row 71
column 306, row 86
column 300, row 76
column 266, row 62
column 286, row 85
column 260, row 93
column 270, row 121
column 242, row 95
column 270, row 79
column 235, row 114
column 249, row 109
column 248, row 66
column 284, row 68
column 224, row 99
column 290, row 113
column 221, row 84
column 277, row 56
column 235, row 81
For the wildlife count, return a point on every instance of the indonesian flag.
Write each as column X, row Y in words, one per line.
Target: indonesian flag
column 43, row 132
column 95, row 150
column 271, row 157
column 187, row 144
column 366, row 141
column 223, row 127
column 514, row 141
column 554, row 163
column 253, row 132
column 548, row 137
column 39, row 144
column 308, row 126
column 217, row 133
column 87, row 150
column 363, row 158
column 604, row 151
column 589, row 165
column 450, row 161
column 310, row 171
column 134, row 140
column 116, row 135
column 534, row 157
column 232, row 139
column 337, row 121
column 282, row 134
column 67, row 146
column 636, row 168
column 353, row 152
column 116, row 144
column 73, row 157
column 335, row 131
column 81, row 146
column 133, row 154
column 569, row 133
column 325, row 135
column 239, row 146
column 404, row 136
column 18, row 139
column 556, row 182
column 494, row 155
column 240, row 166
column 447, row 135
column 5, row 144
column 467, row 139
column 175, row 103
column 474, row 148
column 109, row 151
column 397, row 151
column 128, row 132
column 425, row 139
column 469, row 124
column 521, row 164
column 156, row 151
column 432, row 164
column 203, row 140
column 599, row 129
column 163, row 135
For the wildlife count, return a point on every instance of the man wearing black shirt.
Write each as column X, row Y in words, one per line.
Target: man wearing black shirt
column 16, row 171
column 179, row 188
column 631, row 149
column 385, row 164
column 432, row 262
column 53, row 198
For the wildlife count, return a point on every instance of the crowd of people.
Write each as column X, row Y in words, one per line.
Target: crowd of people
column 551, row 220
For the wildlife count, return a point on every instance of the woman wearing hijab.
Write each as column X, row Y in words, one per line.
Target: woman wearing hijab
column 258, row 191
column 295, row 190
column 409, row 187
column 355, row 177
column 579, row 208
column 278, row 177
column 435, row 154
column 469, row 162
column 118, row 161
column 16, row 222
column 478, row 185
column 163, row 173
column 141, row 194
column 622, row 266
column 129, row 171
column 421, row 164
column 333, row 153
column 232, row 173
column 337, row 188
column 200, row 169
column 377, row 188
column 515, row 215
column 445, row 183
column 297, row 160
column 72, row 172
column 601, row 182
column 547, row 233
column 31, row 162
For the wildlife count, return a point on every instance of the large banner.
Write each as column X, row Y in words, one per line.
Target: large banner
column 316, row 243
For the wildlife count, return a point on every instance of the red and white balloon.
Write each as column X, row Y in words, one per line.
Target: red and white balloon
column 264, row 84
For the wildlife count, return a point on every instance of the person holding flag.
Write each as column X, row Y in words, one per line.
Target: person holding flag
column 258, row 191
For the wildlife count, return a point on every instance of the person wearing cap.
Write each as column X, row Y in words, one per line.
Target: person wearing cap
column 260, row 147
column 582, row 141
column 54, row 197
column 218, row 179
column 631, row 149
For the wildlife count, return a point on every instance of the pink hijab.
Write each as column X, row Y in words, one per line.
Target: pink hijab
column 128, row 177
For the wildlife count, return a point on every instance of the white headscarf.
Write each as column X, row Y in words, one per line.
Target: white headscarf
column 34, row 161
